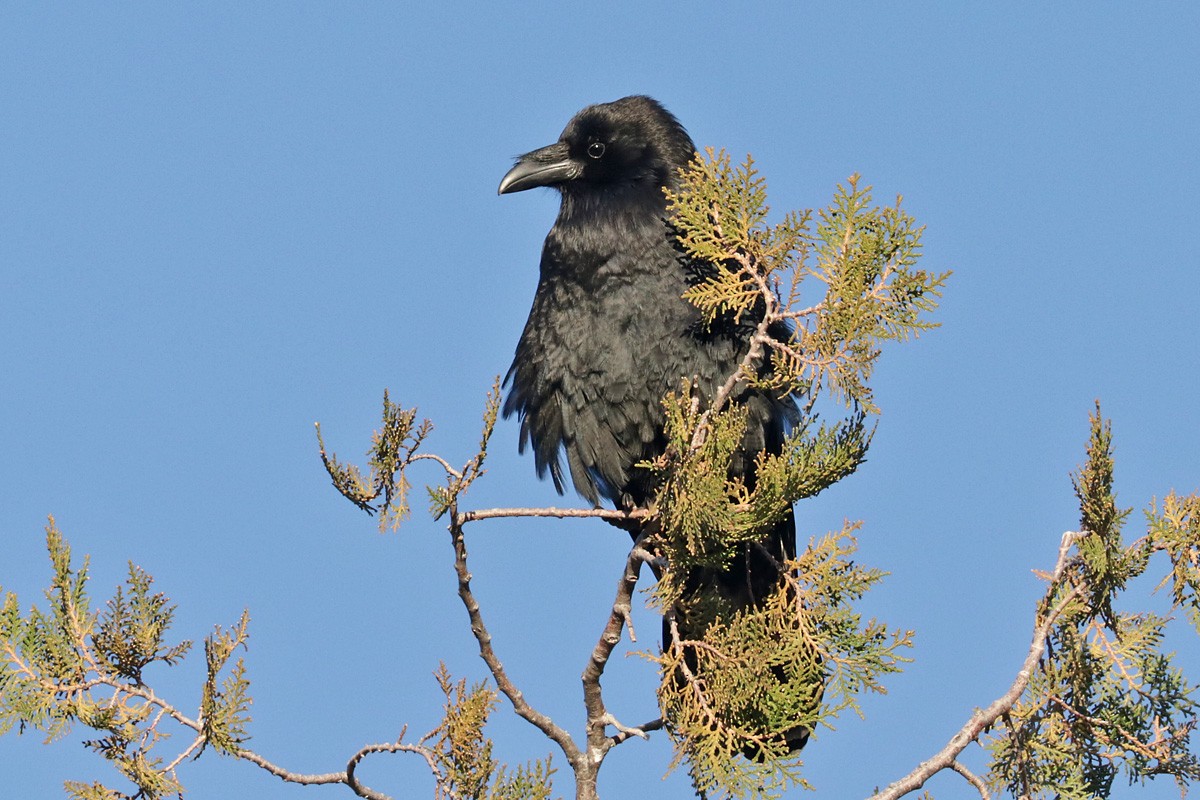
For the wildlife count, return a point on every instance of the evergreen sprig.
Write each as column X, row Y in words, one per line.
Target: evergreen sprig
column 463, row 752
column 224, row 707
column 393, row 448
column 444, row 498
column 1175, row 529
column 69, row 664
column 734, row 699
column 864, row 257
column 130, row 633
column 706, row 516
column 1107, row 697
column 764, row 672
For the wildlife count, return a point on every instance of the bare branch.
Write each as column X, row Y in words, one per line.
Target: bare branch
column 980, row 721
column 348, row 777
column 972, row 779
column 559, row 513
column 597, row 715
column 287, row 775
column 441, row 461
column 609, row 719
column 365, row 791
column 503, row 682
column 640, row 730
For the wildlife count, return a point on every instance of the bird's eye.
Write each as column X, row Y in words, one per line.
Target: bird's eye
column 595, row 149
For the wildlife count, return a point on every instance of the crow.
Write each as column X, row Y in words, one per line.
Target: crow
column 610, row 333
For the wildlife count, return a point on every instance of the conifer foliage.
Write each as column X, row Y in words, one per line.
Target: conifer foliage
column 1107, row 697
column 1097, row 696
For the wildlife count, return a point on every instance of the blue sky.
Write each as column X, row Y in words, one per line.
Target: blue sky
column 220, row 223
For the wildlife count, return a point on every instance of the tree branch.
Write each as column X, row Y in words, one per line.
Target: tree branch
column 348, row 777
column 640, row 730
column 598, row 717
column 980, row 721
column 503, row 682
column 972, row 779
column 287, row 775
column 461, row 519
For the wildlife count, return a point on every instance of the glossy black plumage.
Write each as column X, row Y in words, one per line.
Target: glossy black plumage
column 609, row 333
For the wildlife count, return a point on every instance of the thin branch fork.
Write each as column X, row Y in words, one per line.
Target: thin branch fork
column 148, row 696
column 585, row 765
column 598, row 717
column 981, row 720
column 972, row 779
column 488, row 654
column 752, row 358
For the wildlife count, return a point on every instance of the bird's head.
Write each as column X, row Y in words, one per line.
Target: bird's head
column 630, row 144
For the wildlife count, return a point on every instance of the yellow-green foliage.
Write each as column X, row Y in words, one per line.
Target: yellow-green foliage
column 1107, row 697
column 461, row 749
column 798, row 657
column 706, row 517
column 394, row 448
column 762, row 672
column 69, row 665
column 464, row 753
column 1176, row 530
column 862, row 257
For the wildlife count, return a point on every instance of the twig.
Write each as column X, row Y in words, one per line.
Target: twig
column 196, row 744
column 559, row 513
column 348, row 777
column 287, row 775
column 982, row 720
column 365, row 791
column 503, row 682
column 625, row 730
column 640, row 730
column 106, row 678
column 972, row 779
column 598, row 717
column 441, row 461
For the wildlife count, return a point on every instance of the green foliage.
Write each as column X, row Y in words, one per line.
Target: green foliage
column 764, row 672
column 42, row 651
column 855, row 654
column 461, row 749
column 863, row 256
column 796, row 658
column 1106, row 697
column 224, row 708
column 393, row 450
column 70, row 665
column 130, row 633
column 91, row 791
column 1176, row 530
column 464, row 754
column 393, row 447
column 706, row 516
column 1104, row 563
column 526, row 782
column 445, row 498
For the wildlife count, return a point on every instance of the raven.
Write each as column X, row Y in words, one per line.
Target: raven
column 610, row 333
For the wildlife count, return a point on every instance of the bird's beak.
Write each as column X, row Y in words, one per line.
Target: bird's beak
column 545, row 167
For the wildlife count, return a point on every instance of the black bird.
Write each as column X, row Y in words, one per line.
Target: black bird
column 610, row 334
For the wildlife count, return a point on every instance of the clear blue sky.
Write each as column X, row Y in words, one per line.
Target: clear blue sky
column 220, row 223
